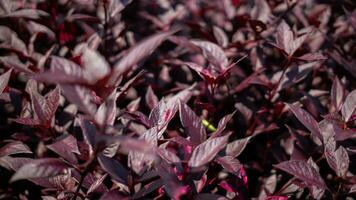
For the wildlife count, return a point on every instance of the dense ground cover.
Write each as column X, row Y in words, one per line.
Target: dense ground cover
column 169, row 99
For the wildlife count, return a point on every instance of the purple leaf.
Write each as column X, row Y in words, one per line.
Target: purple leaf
column 276, row 198
column 208, row 196
column 140, row 161
column 80, row 96
column 89, row 133
column 349, row 106
column 40, row 168
column 97, row 184
column 307, row 120
column 27, row 121
column 222, row 125
column 285, row 39
column 63, row 71
column 236, row 147
column 338, row 160
column 303, row 171
column 4, row 80
column 213, row 53
column 204, row 73
column 230, row 163
column 14, row 148
column 129, row 83
column 34, row 28
column 106, row 113
column 171, row 184
column 150, row 98
column 148, row 188
column 27, row 13
column 9, row 40
column 337, row 94
column 192, row 124
column 45, row 107
column 114, row 168
column 220, row 36
column 13, row 163
column 95, row 66
column 113, row 195
column 66, row 147
column 136, row 54
column 168, row 156
column 315, row 191
column 206, row 151
column 249, row 80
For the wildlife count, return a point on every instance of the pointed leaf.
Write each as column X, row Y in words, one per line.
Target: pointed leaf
column 337, row 94
column 150, row 98
column 236, row 147
column 303, row 171
column 80, row 96
column 220, row 36
column 46, row 167
column 349, row 107
column 307, row 120
column 66, row 148
column 192, row 124
column 114, row 168
column 4, row 80
column 136, row 54
column 14, row 148
column 213, row 53
column 208, row 196
column 206, row 151
column 222, row 124
column 27, row 13
column 231, row 164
